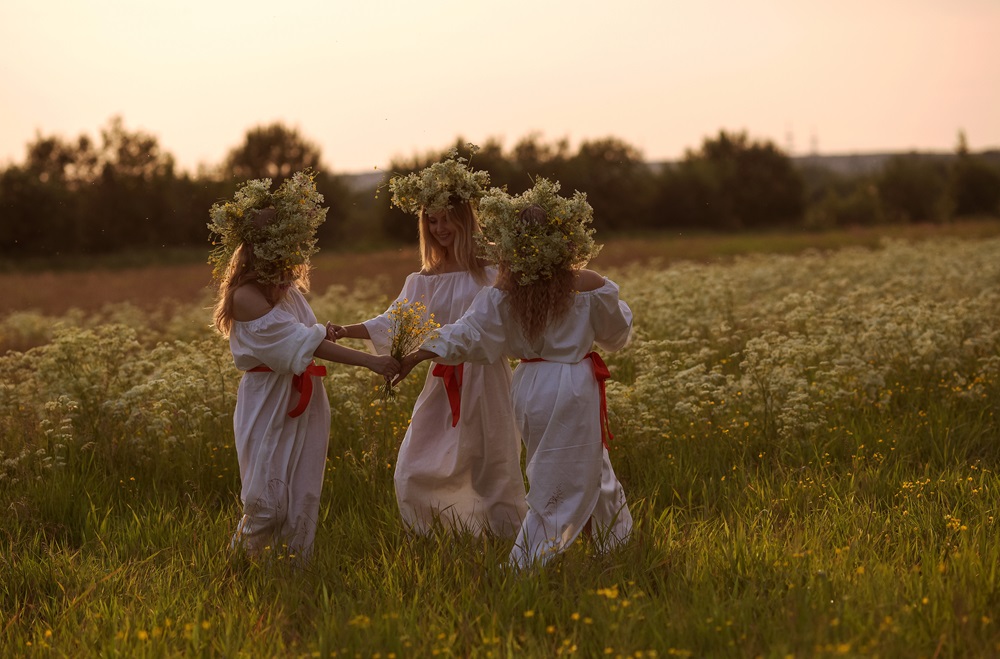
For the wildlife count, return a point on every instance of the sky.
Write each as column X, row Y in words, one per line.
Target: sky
column 371, row 81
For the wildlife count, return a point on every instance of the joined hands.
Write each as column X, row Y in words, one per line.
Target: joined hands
column 334, row 332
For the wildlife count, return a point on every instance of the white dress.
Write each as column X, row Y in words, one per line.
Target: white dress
column 282, row 459
column 465, row 476
column 558, row 412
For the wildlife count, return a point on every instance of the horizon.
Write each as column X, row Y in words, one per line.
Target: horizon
column 369, row 84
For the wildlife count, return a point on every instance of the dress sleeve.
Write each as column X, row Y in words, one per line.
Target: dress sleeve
column 281, row 342
column 378, row 327
column 477, row 337
column 611, row 318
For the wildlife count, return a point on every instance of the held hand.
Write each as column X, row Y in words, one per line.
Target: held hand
column 406, row 365
column 385, row 366
column 334, row 332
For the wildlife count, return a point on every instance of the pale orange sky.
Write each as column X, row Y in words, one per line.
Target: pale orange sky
column 368, row 81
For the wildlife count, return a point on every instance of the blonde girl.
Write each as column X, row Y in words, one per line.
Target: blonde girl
column 548, row 311
column 458, row 466
column 282, row 417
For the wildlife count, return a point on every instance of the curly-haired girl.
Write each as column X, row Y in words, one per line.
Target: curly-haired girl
column 560, row 310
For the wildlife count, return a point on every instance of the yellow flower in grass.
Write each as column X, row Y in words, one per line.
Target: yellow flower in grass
column 611, row 593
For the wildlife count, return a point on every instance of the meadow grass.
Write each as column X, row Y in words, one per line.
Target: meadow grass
column 807, row 442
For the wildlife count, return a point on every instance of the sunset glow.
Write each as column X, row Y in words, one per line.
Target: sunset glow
column 370, row 81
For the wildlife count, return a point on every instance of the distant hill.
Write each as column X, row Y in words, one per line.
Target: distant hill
column 848, row 164
column 364, row 181
column 854, row 164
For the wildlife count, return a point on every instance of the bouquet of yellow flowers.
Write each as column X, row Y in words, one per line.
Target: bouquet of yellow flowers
column 409, row 326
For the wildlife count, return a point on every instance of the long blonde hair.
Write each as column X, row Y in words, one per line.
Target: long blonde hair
column 542, row 301
column 240, row 272
column 466, row 225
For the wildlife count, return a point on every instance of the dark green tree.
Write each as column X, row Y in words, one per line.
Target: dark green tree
column 532, row 158
column 731, row 182
column 618, row 182
column 37, row 215
column 41, row 199
column 689, row 195
column 974, row 183
column 127, row 203
column 914, row 189
column 274, row 151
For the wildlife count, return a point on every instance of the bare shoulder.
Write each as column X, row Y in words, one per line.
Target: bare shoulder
column 588, row 280
column 249, row 303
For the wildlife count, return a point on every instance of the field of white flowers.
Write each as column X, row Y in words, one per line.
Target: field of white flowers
column 809, row 444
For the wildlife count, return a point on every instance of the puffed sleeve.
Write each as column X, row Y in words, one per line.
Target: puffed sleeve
column 477, row 337
column 610, row 317
column 279, row 341
column 379, row 326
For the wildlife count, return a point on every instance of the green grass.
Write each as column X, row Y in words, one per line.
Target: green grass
column 808, row 445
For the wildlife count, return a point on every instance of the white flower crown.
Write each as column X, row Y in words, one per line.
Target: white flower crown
column 536, row 250
column 440, row 185
column 279, row 246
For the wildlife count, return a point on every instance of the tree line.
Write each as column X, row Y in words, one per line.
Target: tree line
column 124, row 191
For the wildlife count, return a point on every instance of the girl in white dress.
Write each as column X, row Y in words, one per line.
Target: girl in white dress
column 548, row 312
column 282, row 417
column 459, row 463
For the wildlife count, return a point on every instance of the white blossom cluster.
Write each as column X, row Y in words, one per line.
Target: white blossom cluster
column 782, row 347
column 772, row 351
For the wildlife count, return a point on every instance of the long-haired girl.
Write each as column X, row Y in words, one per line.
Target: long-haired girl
column 282, row 416
column 549, row 312
column 459, row 463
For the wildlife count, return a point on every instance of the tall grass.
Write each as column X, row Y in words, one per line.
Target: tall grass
column 808, row 444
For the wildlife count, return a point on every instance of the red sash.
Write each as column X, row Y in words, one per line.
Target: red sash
column 601, row 374
column 452, row 376
column 301, row 384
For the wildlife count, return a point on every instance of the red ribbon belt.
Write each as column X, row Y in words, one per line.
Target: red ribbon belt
column 601, row 374
column 452, row 376
column 301, row 384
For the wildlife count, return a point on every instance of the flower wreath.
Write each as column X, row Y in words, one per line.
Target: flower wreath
column 537, row 250
column 438, row 186
column 279, row 246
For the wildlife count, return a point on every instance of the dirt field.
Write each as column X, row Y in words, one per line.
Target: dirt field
column 55, row 292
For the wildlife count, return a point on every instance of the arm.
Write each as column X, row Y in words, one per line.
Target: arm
column 377, row 329
column 611, row 318
column 356, row 331
column 478, row 337
column 384, row 365
column 411, row 360
column 587, row 280
column 287, row 345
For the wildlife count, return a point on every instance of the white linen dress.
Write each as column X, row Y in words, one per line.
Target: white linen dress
column 557, row 410
column 467, row 476
column 282, row 459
